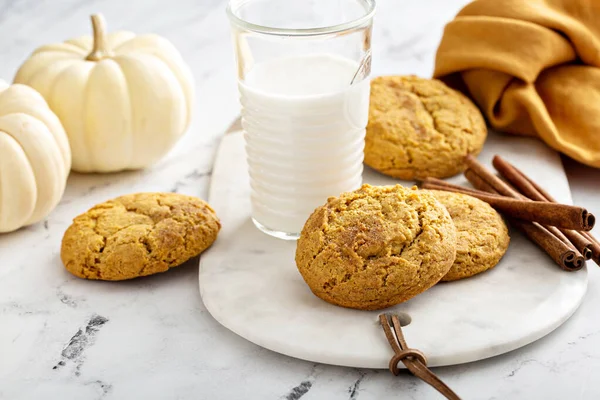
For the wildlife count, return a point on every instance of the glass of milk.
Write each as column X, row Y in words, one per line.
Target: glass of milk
column 303, row 69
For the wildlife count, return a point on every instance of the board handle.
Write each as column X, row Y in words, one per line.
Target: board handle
column 414, row 360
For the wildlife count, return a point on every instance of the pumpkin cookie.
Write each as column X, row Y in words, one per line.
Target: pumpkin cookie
column 137, row 235
column 376, row 247
column 481, row 234
column 420, row 128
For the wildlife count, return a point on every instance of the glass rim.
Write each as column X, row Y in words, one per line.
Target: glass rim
column 325, row 30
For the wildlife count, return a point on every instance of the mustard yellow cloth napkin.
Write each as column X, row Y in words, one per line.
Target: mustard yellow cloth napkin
column 532, row 66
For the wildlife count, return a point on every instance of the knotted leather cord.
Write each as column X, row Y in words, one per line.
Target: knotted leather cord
column 414, row 360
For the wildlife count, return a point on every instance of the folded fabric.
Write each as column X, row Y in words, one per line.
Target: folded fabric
column 532, row 66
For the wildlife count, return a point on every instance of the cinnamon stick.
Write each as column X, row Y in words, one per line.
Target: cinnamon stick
column 569, row 237
column 584, row 242
column 564, row 255
column 482, row 186
column 595, row 246
column 566, row 216
column 479, row 183
column 476, row 181
column 487, row 176
column 560, row 252
column 517, row 178
column 432, row 185
column 581, row 243
column 465, row 190
column 553, row 214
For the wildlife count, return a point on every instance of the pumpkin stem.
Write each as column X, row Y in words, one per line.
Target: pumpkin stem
column 100, row 49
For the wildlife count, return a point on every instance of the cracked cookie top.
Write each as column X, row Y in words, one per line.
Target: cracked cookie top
column 481, row 234
column 376, row 247
column 138, row 234
column 420, row 128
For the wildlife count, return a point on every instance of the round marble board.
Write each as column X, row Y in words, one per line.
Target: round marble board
column 250, row 284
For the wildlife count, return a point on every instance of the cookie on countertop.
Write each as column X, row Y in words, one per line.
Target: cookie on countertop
column 137, row 235
column 420, row 128
column 376, row 247
column 481, row 234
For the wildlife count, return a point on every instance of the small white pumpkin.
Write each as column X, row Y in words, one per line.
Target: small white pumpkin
column 124, row 100
column 34, row 157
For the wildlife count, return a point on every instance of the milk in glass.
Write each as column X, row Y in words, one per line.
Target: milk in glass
column 304, row 127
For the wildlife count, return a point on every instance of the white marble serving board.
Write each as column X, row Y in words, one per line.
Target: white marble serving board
column 250, row 284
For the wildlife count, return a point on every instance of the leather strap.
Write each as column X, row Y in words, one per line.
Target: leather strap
column 414, row 360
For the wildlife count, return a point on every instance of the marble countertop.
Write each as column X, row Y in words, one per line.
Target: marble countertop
column 62, row 337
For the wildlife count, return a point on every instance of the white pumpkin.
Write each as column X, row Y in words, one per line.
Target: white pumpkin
column 124, row 100
column 34, row 157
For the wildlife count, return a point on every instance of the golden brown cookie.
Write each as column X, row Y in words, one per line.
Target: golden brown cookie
column 481, row 234
column 376, row 247
column 137, row 235
column 420, row 128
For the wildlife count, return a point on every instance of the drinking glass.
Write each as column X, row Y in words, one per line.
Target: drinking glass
column 303, row 69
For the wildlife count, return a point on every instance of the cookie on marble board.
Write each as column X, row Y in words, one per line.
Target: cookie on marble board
column 376, row 247
column 420, row 128
column 137, row 235
column 482, row 236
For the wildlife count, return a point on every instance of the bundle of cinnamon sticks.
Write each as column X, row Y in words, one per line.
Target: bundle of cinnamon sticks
column 561, row 230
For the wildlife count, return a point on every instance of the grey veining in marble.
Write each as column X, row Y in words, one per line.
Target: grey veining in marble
column 159, row 341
